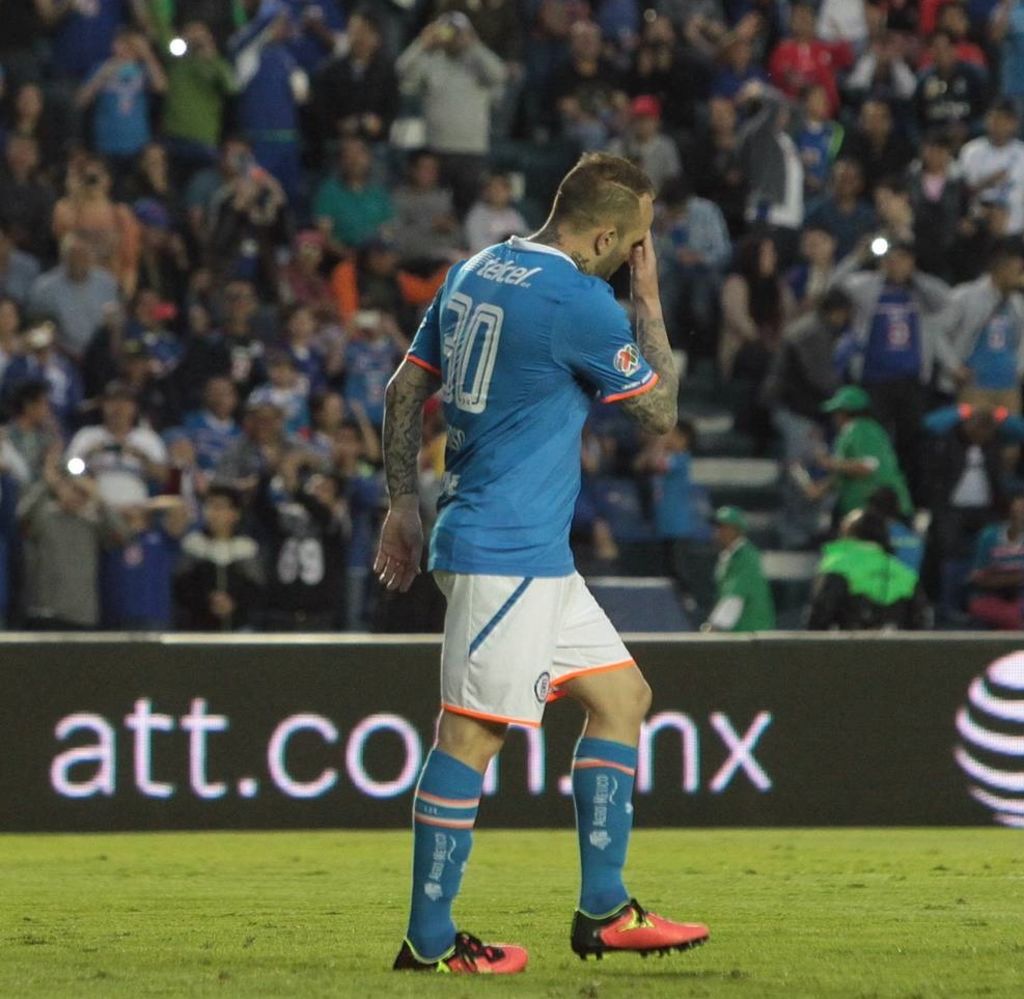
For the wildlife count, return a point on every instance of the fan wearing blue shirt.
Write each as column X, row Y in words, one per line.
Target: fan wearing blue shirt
column 519, row 340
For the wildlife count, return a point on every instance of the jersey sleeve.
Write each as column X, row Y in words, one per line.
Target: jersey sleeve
column 425, row 350
column 597, row 345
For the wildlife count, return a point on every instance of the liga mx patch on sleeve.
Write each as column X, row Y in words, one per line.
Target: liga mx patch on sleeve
column 627, row 359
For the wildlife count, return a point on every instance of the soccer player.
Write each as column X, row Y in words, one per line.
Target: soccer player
column 519, row 340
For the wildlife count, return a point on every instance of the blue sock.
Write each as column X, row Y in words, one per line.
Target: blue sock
column 443, row 812
column 602, row 789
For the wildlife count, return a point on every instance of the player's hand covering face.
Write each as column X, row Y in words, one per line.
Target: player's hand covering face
column 401, row 546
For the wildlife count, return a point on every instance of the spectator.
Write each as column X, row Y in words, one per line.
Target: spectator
column 862, row 586
column 904, row 541
column 493, row 217
column 373, row 281
column 82, row 34
column 809, row 280
column 18, row 270
column 219, row 582
column 713, row 164
column 287, row 389
column 818, row 140
column 965, row 490
column 65, row 521
column 271, row 85
column 882, row 73
column 644, row 142
column 693, row 252
column 127, row 460
column 257, row 450
column 955, row 22
column 213, row 429
column 772, row 167
column 894, row 210
column 801, row 379
column 458, row 79
column 862, row 459
column 984, row 333
column 938, row 201
column 997, row 577
column 993, row 164
column 32, row 430
column 34, row 117
column 10, row 327
column 247, row 222
column 348, row 206
column 355, row 445
column 300, row 329
column 163, row 259
column 241, row 349
column 76, row 293
column 737, row 68
column 42, row 361
column 1006, row 30
column 678, row 75
column 756, row 304
column 118, row 88
column 844, row 212
column 679, row 521
column 304, row 517
column 108, row 227
column 892, row 346
column 744, row 601
column 136, row 574
column 803, row 60
column 370, row 358
column 199, row 84
column 951, row 93
column 26, row 202
column 302, row 281
column 587, row 89
column 356, row 94
column 427, row 230
column 882, row 149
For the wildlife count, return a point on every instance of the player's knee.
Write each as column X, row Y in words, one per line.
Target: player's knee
column 639, row 702
column 470, row 740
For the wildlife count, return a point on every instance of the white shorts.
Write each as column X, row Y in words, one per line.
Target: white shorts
column 510, row 643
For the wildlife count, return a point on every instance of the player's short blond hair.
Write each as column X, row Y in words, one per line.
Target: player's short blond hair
column 601, row 190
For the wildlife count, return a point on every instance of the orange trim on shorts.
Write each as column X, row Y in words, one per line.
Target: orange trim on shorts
column 420, row 363
column 430, row 820
column 591, row 670
column 640, row 390
column 588, row 763
column 483, row 716
column 433, row 799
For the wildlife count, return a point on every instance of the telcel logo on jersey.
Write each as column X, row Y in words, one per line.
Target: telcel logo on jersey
column 627, row 359
column 507, row 272
column 991, row 727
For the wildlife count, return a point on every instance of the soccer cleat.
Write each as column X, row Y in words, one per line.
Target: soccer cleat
column 469, row 956
column 632, row 928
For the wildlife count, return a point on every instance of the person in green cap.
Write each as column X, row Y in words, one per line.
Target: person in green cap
column 862, row 458
column 861, row 585
column 744, row 597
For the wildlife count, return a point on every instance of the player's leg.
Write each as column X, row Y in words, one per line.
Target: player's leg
column 594, row 668
column 488, row 679
column 444, row 813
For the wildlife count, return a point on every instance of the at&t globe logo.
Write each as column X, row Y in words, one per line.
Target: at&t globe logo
column 991, row 727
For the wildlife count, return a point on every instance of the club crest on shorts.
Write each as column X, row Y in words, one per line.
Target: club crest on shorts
column 627, row 359
column 542, row 687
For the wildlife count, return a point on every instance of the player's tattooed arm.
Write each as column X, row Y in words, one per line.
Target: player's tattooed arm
column 408, row 389
column 656, row 409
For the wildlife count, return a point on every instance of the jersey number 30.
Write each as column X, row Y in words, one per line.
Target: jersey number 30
column 470, row 351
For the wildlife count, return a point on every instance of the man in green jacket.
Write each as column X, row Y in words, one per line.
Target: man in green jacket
column 862, row 458
column 744, row 597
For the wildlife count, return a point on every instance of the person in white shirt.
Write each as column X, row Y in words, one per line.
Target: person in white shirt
column 993, row 164
column 127, row 461
column 493, row 217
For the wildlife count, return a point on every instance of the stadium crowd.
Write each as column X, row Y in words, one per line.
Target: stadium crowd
column 220, row 221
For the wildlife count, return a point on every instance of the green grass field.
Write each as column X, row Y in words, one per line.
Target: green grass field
column 812, row 913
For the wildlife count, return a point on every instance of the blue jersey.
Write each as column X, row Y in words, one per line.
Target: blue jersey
column 994, row 358
column 894, row 339
column 522, row 342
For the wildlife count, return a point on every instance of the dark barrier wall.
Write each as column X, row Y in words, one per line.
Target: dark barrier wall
column 178, row 734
